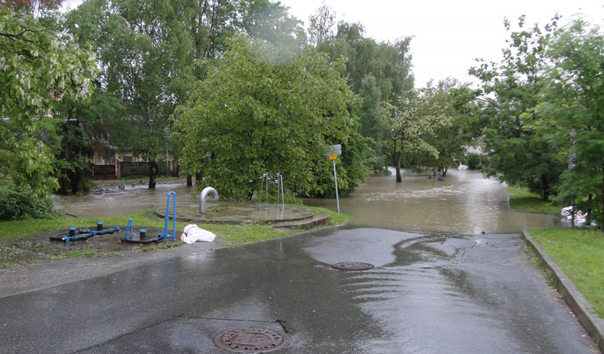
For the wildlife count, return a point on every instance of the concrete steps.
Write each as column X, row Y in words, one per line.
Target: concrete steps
column 319, row 219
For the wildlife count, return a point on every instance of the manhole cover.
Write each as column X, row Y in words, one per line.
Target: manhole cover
column 251, row 339
column 353, row 266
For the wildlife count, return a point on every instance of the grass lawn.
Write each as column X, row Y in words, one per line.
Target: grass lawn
column 523, row 200
column 233, row 234
column 580, row 254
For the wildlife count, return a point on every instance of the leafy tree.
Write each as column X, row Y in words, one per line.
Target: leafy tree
column 474, row 161
column 519, row 155
column 412, row 121
column 321, row 25
column 145, row 51
column 39, row 66
column 258, row 112
column 451, row 140
column 262, row 19
column 372, row 120
column 148, row 51
column 574, row 99
column 388, row 62
column 83, row 130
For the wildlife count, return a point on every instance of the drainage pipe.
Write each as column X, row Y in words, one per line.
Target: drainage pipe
column 203, row 196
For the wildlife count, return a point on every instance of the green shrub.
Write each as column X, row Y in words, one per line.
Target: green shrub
column 21, row 203
column 474, row 161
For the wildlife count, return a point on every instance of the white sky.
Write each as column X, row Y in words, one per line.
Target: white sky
column 448, row 34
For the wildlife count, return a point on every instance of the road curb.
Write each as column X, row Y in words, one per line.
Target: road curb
column 586, row 315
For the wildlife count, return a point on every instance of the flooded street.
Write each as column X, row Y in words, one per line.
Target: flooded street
column 464, row 203
column 438, row 284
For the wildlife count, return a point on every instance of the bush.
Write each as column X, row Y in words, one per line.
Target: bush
column 474, row 161
column 21, row 203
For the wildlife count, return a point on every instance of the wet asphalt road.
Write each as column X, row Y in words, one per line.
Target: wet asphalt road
column 428, row 294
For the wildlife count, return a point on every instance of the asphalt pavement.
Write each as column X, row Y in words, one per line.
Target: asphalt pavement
column 451, row 294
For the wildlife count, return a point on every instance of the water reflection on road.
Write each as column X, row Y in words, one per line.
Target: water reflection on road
column 465, row 202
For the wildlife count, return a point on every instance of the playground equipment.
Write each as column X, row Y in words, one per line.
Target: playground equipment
column 278, row 180
column 202, row 198
column 165, row 234
column 71, row 236
column 142, row 235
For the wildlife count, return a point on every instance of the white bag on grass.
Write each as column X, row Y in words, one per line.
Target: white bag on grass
column 193, row 233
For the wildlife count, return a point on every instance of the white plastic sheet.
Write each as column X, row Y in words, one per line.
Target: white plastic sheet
column 194, row 234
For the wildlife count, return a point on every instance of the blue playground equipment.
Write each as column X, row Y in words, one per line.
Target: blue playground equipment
column 142, row 235
column 128, row 234
column 71, row 236
column 165, row 234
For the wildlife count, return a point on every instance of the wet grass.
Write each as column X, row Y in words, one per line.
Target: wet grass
column 162, row 247
column 336, row 218
column 12, row 229
column 580, row 254
column 523, row 200
column 233, row 234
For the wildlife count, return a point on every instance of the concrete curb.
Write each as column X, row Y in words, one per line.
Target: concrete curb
column 590, row 320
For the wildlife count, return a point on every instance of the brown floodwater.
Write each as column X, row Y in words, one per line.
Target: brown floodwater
column 465, row 203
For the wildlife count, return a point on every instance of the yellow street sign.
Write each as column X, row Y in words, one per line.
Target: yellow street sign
column 333, row 157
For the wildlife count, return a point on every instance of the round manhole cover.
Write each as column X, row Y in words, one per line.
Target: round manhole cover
column 353, row 266
column 251, row 339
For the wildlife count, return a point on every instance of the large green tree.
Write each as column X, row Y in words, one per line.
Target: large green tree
column 511, row 90
column 412, row 121
column 39, row 66
column 260, row 112
column 574, row 100
column 145, row 50
column 372, row 121
column 148, row 52
column 451, row 140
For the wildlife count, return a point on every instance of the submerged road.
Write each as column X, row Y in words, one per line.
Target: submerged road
column 428, row 294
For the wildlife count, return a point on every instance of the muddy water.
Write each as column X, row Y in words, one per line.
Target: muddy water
column 464, row 203
column 130, row 199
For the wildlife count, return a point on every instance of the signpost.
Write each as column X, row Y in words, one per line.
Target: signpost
column 332, row 153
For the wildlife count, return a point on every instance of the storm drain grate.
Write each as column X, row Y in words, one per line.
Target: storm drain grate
column 251, row 340
column 353, row 266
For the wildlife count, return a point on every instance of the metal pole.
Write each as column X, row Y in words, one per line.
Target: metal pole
column 335, row 178
column 282, row 193
column 260, row 191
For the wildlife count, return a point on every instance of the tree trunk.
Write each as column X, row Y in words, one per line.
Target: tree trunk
column 398, row 168
column 199, row 179
column 589, row 216
column 152, row 174
column 545, row 187
column 77, row 181
column 444, row 170
column 189, row 180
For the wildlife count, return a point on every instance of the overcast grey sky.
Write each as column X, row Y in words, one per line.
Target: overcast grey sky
column 448, row 34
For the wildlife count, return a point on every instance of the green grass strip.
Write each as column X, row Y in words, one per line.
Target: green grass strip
column 523, row 200
column 580, row 254
column 233, row 234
